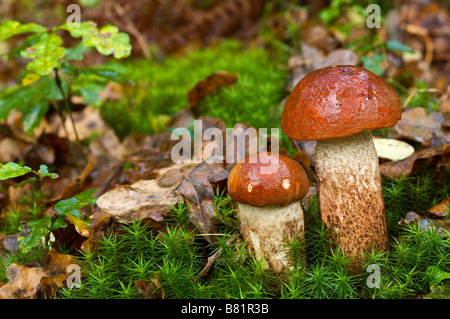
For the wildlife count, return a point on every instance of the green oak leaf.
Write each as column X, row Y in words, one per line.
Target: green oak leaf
column 107, row 40
column 45, row 54
column 35, row 115
column 11, row 170
column 43, row 172
column 11, row 28
column 32, row 233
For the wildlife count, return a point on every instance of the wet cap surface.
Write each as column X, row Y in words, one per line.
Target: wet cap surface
column 339, row 101
column 259, row 181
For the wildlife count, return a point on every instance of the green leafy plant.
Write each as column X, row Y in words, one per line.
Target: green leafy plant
column 44, row 48
column 13, row 170
column 33, row 231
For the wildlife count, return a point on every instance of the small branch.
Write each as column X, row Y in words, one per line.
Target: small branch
column 67, row 106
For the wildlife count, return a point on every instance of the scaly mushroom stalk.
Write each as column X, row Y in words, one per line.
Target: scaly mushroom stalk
column 266, row 229
column 349, row 193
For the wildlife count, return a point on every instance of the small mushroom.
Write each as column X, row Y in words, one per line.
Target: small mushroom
column 337, row 106
column 269, row 204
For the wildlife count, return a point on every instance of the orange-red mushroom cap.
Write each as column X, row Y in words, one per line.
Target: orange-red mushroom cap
column 339, row 101
column 249, row 184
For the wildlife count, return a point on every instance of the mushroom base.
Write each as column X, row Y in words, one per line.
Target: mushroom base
column 265, row 229
column 350, row 194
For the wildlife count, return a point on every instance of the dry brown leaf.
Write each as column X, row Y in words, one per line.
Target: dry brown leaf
column 419, row 126
column 102, row 224
column 141, row 200
column 312, row 59
column 441, row 209
column 151, row 289
column 33, row 281
column 405, row 167
column 75, row 186
column 209, row 86
column 87, row 123
column 22, row 282
column 152, row 199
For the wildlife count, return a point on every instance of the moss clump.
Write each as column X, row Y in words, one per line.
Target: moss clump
column 160, row 89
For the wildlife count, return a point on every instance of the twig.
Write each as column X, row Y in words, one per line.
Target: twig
column 131, row 27
column 67, row 106
column 415, row 91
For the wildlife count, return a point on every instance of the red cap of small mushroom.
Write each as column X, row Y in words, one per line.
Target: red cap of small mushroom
column 248, row 184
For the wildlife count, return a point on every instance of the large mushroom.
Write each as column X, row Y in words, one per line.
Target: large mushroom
column 337, row 106
column 269, row 204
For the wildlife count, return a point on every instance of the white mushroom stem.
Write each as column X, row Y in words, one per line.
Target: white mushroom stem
column 350, row 194
column 265, row 229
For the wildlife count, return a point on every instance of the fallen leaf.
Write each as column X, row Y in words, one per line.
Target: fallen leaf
column 441, row 209
column 313, row 59
column 22, row 282
column 152, row 199
column 33, row 281
column 405, row 167
column 391, row 149
column 102, row 224
column 151, row 289
column 75, row 186
column 419, row 126
column 209, row 86
column 141, row 200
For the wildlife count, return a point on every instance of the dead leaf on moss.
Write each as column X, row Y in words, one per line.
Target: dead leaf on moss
column 141, row 200
column 32, row 281
column 441, row 209
column 22, row 282
column 151, row 289
column 102, row 224
column 209, row 86
column 152, row 199
column 405, row 167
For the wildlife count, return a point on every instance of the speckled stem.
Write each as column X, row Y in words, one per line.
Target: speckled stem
column 350, row 194
column 264, row 229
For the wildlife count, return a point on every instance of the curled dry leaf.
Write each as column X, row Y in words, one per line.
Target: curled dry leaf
column 102, row 224
column 210, row 86
column 441, row 209
column 152, row 199
column 151, row 289
column 141, row 200
column 419, row 126
column 33, row 281
column 405, row 167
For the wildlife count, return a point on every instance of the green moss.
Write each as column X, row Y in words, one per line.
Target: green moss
column 415, row 193
column 160, row 89
column 177, row 256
